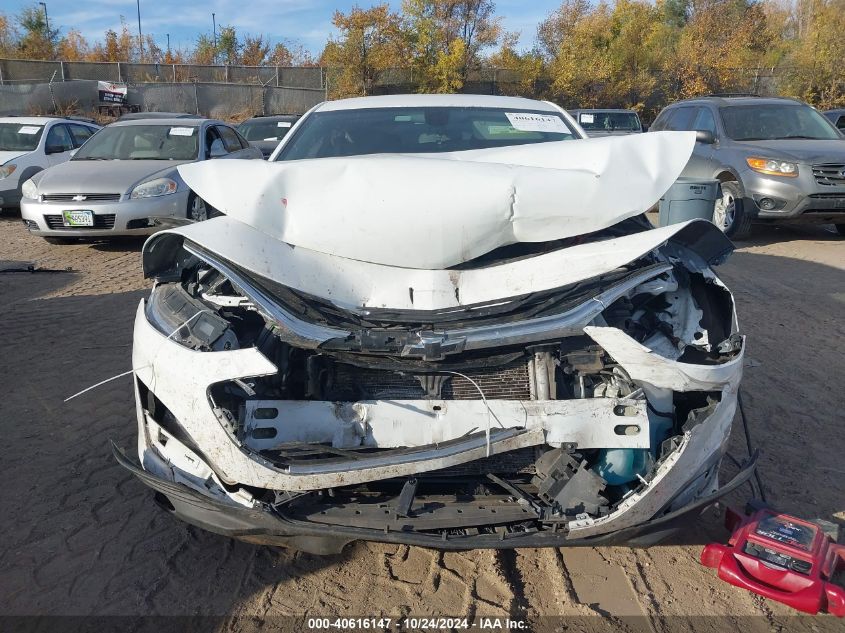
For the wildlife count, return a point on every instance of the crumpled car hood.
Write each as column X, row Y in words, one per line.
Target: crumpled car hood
column 435, row 211
column 351, row 284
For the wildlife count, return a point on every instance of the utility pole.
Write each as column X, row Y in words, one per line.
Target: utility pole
column 214, row 31
column 168, row 43
column 140, row 37
column 46, row 19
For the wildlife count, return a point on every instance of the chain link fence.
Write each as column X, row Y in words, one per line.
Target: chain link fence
column 276, row 89
column 33, row 71
column 221, row 101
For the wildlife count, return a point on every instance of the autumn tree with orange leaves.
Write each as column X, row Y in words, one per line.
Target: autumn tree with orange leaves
column 613, row 53
column 370, row 42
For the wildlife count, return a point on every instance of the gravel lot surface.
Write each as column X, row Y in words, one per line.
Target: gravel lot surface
column 81, row 536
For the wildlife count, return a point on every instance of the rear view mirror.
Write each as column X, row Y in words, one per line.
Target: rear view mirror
column 705, row 136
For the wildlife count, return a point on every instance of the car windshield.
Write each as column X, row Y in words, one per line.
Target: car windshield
column 263, row 130
column 420, row 130
column 19, row 137
column 774, row 122
column 142, row 142
column 609, row 121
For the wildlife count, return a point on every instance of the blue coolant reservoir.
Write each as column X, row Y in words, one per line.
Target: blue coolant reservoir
column 621, row 465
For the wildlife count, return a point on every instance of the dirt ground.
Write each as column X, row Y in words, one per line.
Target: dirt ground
column 80, row 536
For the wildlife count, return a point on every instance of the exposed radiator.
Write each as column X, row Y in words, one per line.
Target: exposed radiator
column 510, row 382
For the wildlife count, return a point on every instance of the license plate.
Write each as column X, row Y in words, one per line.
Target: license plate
column 78, row 218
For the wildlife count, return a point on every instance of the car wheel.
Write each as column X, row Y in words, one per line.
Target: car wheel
column 729, row 212
column 59, row 241
column 199, row 210
column 840, row 228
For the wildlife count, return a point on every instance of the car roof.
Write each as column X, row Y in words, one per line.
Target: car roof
column 31, row 120
column 835, row 111
column 164, row 122
column 588, row 110
column 738, row 101
column 130, row 116
column 272, row 117
column 436, row 101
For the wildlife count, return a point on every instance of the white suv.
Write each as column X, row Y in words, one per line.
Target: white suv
column 31, row 144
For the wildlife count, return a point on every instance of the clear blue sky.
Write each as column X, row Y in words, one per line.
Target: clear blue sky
column 305, row 21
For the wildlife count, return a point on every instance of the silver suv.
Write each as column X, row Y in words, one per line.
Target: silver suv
column 777, row 159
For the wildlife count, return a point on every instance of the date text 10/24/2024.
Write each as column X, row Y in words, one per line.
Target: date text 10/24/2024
column 416, row 624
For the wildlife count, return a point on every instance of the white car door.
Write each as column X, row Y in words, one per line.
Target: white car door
column 59, row 144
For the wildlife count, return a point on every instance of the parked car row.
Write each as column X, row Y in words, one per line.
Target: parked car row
column 123, row 180
column 777, row 160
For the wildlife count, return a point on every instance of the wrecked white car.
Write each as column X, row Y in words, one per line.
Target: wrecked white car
column 487, row 348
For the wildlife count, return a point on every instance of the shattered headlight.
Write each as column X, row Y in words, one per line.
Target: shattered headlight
column 772, row 167
column 154, row 188
column 29, row 190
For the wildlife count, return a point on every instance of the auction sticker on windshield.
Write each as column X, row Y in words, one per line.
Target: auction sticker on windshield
column 181, row 131
column 78, row 218
column 531, row 122
column 28, row 129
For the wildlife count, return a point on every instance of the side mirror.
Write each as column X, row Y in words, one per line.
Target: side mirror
column 705, row 136
column 645, row 129
column 53, row 149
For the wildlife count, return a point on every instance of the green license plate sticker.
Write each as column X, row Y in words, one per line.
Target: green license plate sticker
column 78, row 218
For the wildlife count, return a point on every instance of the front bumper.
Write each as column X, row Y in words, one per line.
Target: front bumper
column 122, row 218
column 264, row 525
column 800, row 199
column 208, row 461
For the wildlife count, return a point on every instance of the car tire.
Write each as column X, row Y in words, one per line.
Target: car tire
column 199, row 210
column 729, row 213
column 59, row 241
column 840, row 228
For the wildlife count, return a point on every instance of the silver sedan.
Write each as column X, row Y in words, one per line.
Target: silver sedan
column 124, row 179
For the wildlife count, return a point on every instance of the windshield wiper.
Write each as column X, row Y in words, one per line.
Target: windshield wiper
column 89, row 158
column 813, row 138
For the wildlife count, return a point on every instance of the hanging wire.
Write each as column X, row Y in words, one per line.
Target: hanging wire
column 490, row 413
column 133, row 370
